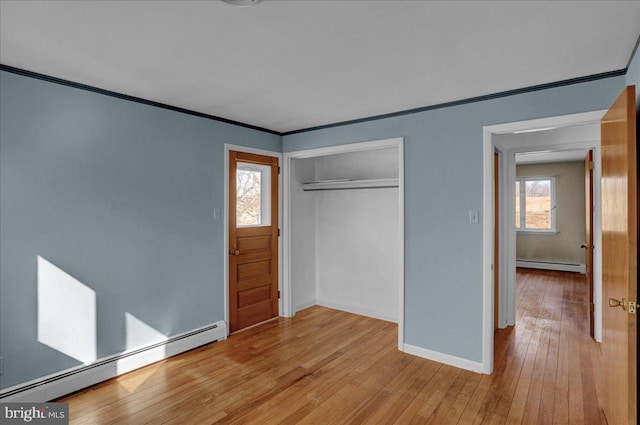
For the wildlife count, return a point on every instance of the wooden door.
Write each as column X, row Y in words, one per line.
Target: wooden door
column 496, row 239
column 619, row 258
column 253, row 239
column 588, row 244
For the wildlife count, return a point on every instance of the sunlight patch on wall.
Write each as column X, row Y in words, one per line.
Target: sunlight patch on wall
column 66, row 313
column 140, row 334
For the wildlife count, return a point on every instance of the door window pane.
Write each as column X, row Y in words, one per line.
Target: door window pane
column 253, row 200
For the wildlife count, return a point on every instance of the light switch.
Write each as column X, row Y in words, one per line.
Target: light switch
column 216, row 213
column 473, row 216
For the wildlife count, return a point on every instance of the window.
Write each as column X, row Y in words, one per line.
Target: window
column 253, row 187
column 535, row 204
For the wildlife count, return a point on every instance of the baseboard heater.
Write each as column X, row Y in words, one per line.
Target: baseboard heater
column 576, row 268
column 59, row 384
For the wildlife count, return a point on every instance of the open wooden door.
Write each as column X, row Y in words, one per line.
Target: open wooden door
column 253, row 239
column 619, row 259
column 588, row 244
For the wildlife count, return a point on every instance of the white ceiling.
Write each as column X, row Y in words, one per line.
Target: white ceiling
column 289, row 65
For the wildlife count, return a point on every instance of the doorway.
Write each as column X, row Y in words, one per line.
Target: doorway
column 252, row 223
column 553, row 214
column 565, row 133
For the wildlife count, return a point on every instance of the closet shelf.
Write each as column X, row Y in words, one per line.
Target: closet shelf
column 344, row 184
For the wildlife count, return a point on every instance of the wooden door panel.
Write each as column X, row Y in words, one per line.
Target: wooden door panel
column 254, row 243
column 254, row 313
column 254, row 295
column 259, row 268
column 254, row 256
column 247, row 232
column 254, row 282
column 619, row 258
column 253, row 249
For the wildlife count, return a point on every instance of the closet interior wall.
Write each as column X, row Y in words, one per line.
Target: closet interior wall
column 344, row 241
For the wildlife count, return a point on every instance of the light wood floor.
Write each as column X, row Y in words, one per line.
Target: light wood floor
column 325, row 366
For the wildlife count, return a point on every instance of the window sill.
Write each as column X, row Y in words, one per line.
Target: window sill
column 538, row 232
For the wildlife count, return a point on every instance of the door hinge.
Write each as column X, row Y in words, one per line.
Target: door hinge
column 591, row 165
column 278, row 294
column 278, row 232
column 278, row 169
column 632, row 307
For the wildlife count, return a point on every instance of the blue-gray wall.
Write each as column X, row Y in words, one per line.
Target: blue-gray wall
column 118, row 194
column 443, row 181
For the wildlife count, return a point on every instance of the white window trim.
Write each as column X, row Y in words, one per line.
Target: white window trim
column 522, row 229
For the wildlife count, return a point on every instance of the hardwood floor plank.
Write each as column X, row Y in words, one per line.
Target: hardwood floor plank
column 529, row 343
column 547, row 399
column 404, row 389
column 456, row 399
column 576, row 404
column 561, row 393
column 430, row 397
column 329, row 377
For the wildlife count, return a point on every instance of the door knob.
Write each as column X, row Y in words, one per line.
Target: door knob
column 583, row 246
column 618, row 303
column 235, row 252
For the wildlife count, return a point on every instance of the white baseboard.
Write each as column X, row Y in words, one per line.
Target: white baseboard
column 443, row 358
column 357, row 310
column 576, row 268
column 67, row 381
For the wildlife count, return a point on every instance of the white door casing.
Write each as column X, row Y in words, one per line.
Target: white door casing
column 507, row 231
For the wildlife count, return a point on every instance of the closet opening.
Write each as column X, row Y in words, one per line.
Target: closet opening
column 344, row 231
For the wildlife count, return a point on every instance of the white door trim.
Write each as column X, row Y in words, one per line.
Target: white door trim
column 507, row 229
column 397, row 142
column 225, row 214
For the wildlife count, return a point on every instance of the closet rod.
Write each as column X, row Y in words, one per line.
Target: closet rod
column 349, row 188
column 350, row 184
